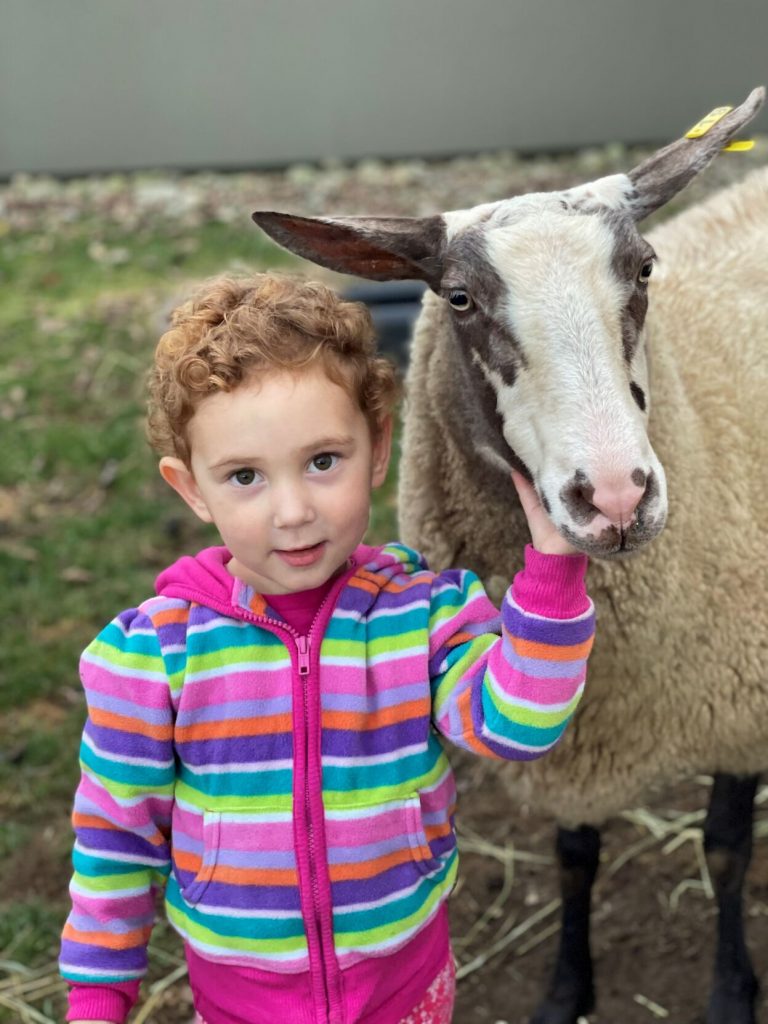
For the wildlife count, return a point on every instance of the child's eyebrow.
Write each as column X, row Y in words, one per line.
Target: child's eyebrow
column 322, row 444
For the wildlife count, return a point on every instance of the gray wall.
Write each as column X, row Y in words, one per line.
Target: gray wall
column 118, row 84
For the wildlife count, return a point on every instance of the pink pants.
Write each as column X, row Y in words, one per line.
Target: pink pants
column 437, row 1005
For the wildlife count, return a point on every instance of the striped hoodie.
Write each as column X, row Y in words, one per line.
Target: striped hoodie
column 291, row 793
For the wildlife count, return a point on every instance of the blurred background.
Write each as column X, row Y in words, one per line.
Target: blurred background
column 135, row 140
column 91, row 86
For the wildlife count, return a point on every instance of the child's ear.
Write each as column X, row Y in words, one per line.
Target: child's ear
column 382, row 450
column 179, row 476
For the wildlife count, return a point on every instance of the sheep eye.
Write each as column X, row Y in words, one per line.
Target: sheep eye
column 459, row 300
column 645, row 272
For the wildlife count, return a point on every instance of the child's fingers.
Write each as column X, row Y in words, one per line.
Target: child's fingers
column 526, row 492
column 534, row 513
column 544, row 534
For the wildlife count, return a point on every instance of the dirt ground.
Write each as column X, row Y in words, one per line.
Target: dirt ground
column 652, row 932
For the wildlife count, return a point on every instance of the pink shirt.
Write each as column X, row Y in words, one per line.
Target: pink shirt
column 378, row 990
column 299, row 610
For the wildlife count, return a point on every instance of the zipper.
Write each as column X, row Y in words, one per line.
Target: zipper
column 302, row 648
column 303, row 651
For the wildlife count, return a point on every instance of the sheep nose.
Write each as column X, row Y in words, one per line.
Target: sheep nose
column 617, row 499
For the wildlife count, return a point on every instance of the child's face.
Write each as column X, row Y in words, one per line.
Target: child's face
column 284, row 468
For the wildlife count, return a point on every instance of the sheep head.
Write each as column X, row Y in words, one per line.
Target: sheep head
column 544, row 299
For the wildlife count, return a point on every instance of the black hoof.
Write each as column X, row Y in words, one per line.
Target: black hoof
column 733, row 1001
column 564, row 1007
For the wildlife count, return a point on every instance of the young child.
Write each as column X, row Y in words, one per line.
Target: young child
column 265, row 735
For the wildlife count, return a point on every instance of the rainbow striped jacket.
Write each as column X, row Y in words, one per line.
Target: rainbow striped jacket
column 292, row 793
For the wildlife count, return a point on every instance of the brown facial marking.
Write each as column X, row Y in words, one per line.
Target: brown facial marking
column 632, row 320
column 577, row 496
column 638, row 477
column 629, row 252
column 651, row 492
column 475, row 422
column 467, row 266
column 480, row 336
column 482, row 331
column 638, row 394
column 644, row 526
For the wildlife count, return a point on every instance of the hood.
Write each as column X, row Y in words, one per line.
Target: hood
column 201, row 578
column 205, row 579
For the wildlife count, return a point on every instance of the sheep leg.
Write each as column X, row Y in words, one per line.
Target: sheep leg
column 728, row 847
column 571, row 994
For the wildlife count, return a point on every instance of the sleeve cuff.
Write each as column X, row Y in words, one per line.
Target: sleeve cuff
column 102, row 1002
column 552, row 585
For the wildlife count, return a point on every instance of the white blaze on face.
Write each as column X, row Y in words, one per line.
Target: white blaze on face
column 570, row 409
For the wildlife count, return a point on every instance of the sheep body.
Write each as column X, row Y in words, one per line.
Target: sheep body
column 677, row 681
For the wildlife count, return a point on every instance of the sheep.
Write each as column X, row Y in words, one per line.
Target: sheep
column 532, row 351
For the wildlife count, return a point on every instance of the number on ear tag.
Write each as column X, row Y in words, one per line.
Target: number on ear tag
column 707, row 122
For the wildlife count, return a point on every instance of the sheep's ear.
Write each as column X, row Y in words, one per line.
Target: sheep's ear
column 663, row 175
column 380, row 248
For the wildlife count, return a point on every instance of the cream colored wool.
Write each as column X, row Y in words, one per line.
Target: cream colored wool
column 678, row 679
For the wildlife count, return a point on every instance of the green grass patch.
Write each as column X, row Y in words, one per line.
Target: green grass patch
column 74, row 265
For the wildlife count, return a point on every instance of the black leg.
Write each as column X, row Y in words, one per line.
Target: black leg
column 571, row 994
column 728, row 846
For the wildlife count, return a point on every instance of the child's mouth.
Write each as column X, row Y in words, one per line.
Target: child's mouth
column 302, row 556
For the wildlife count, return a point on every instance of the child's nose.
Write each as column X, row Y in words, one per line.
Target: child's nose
column 291, row 507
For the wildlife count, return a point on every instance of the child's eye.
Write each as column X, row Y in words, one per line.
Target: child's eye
column 323, row 462
column 243, row 477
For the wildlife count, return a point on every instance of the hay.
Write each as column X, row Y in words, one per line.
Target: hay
column 23, row 987
column 656, row 1010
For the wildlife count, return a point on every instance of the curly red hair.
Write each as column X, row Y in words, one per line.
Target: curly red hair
column 233, row 328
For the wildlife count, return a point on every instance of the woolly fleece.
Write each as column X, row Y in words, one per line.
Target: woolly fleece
column 677, row 681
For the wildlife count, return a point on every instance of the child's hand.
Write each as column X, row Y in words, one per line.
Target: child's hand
column 544, row 536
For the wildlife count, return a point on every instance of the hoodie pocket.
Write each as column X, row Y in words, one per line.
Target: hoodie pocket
column 247, row 861
column 367, row 840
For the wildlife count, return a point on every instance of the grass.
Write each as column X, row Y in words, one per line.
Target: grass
column 85, row 520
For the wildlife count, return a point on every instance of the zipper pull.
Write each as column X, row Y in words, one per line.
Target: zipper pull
column 302, row 645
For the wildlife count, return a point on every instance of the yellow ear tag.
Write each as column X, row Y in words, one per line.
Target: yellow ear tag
column 739, row 146
column 707, row 122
